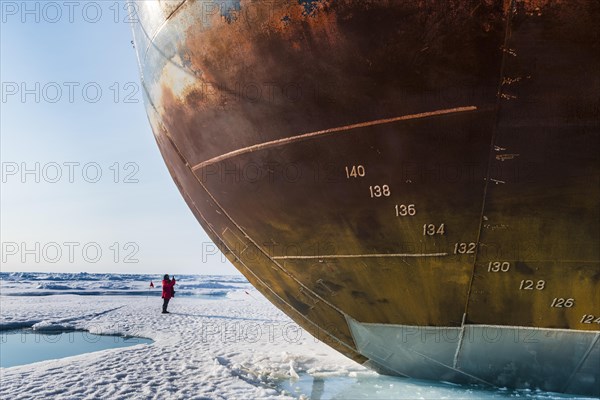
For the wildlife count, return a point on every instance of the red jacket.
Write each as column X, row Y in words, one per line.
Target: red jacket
column 167, row 287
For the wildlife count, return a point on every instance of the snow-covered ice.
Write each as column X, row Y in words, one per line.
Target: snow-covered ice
column 222, row 340
column 236, row 346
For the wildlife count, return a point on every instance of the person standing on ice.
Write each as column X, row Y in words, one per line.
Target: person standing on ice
column 167, row 291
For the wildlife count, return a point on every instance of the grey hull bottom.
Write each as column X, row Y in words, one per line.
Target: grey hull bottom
column 516, row 357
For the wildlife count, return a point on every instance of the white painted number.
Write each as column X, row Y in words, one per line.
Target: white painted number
column 590, row 319
column 528, row 284
column 378, row 191
column 355, row 171
column 560, row 302
column 464, row 248
column 431, row 230
column 404, row 210
column 497, row 266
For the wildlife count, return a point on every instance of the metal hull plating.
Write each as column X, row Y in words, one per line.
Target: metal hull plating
column 415, row 183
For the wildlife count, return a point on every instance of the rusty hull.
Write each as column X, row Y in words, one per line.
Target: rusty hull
column 388, row 164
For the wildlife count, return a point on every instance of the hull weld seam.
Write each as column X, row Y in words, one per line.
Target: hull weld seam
column 304, row 136
column 357, row 256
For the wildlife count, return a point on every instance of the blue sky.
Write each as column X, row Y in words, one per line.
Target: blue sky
column 97, row 197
